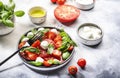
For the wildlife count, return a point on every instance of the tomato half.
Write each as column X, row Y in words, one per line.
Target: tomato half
column 47, row 64
column 72, row 70
column 57, row 54
column 70, row 48
column 66, row 13
column 21, row 44
column 58, row 44
column 50, row 35
column 36, row 44
column 53, row 1
column 57, row 38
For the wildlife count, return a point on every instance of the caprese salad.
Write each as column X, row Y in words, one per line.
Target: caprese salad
column 53, row 48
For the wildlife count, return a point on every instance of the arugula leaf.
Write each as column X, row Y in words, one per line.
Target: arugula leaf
column 35, row 63
column 19, row 13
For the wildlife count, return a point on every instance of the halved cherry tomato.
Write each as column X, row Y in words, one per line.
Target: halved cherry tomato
column 66, row 13
column 58, row 44
column 57, row 38
column 31, row 56
column 36, row 44
column 53, row 1
column 60, row 2
column 82, row 62
column 21, row 44
column 57, row 54
column 50, row 35
column 70, row 48
column 47, row 64
column 72, row 70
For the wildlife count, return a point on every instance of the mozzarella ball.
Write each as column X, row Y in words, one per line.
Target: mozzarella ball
column 44, row 44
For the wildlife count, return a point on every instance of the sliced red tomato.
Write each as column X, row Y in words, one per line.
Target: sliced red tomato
column 66, row 13
column 70, row 48
column 21, row 44
column 60, row 2
column 72, row 70
column 57, row 54
column 57, row 38
column 58, row 44
column 50, row 41
column 31, row 56
column 43, row 54
column 50, row 35
column 47, row 64
column 36, row 44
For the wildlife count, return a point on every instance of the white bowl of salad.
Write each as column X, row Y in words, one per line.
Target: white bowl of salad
column 52, row 51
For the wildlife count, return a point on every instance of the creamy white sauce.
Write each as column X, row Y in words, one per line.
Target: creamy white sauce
column 86, row 2
column 90, row 32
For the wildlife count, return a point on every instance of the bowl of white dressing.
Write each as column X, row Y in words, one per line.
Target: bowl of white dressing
column 90, row 34
column 85, row 4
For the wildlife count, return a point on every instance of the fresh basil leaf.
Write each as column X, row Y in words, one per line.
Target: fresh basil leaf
column 8, row 23
column 32, row 49
column 19, row 13
column 1, row 5
column 50, row 49
column 35, row 63
column 55, row 61
column 11, row 5
column 65, row 55
column 4, row 14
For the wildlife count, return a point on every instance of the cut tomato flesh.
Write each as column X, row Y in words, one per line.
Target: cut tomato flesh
column 66, row 13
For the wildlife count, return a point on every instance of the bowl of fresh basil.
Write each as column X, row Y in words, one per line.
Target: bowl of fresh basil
column 7, row 17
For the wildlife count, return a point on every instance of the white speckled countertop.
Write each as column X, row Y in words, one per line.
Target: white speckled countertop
column 102, row 60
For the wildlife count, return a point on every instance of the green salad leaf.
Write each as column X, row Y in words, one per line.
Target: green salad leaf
column 35, row 63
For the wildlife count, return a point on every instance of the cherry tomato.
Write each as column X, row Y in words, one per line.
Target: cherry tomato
column 53, row 1
column 61, row 2
column 81, row 62
column 57, row 54
column 21, row 44
column 50, row 35
column 70, row 48
column 31, row 56
column 36, row 44
column 47, row 64
column 72, row 70
column 58, row 44
column 66, row 13
column 57, row 38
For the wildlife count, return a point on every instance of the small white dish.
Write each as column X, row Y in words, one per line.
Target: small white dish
column 90, row 34
column 85, row 4
column 37, row 14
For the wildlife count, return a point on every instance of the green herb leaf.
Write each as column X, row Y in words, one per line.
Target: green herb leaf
column 50, row 61
column 65, row 55
column 19, row 13
column 32, row 49
column 35, row 63
column 55, row 61
column 1, row 5
column 8, row 23
column 50, row 49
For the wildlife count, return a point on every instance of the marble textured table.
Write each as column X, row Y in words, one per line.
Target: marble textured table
column 103, row 61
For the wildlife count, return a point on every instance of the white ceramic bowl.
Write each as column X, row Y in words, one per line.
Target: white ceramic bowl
column 84, row 6
column 88, row 41
column 38, row 19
